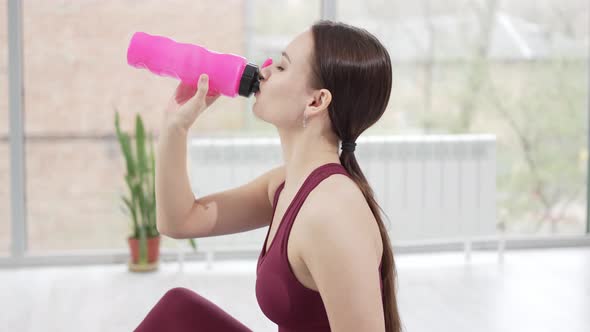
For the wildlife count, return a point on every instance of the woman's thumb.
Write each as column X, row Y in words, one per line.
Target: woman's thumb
column 197, row 103
column 203, row 87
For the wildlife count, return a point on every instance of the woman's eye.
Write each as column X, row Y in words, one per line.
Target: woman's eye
column 280, row 68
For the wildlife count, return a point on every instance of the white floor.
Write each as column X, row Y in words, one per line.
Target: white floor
column 532, row 290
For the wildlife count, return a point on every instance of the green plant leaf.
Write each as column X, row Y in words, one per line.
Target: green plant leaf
column 125, row 144
column 140, row 145
column 140, row 179
column 131, row 208
column 193, row 244
column 153, row 182
column 140, row 204
column 143, row 259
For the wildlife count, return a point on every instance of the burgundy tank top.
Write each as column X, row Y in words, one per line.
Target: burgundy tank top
column 282, row 298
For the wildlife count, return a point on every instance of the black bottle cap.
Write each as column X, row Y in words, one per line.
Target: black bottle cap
column 250, row 81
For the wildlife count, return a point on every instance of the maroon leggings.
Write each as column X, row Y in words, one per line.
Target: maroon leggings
column 181, row 309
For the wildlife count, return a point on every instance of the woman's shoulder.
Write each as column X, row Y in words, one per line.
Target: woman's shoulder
column 337, row 194
column 336, row 189
column 338, row 207
column 276, row 179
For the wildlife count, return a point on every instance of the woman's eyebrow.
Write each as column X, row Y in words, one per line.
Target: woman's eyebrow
column 286, row 56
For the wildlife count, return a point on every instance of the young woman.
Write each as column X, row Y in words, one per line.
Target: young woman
column 327, row 262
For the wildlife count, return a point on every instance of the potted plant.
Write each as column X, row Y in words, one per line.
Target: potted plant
column 140, row 205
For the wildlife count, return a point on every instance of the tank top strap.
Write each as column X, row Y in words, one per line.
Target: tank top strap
column 312, row 181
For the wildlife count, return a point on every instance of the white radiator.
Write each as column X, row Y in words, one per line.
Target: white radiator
column 434, row 188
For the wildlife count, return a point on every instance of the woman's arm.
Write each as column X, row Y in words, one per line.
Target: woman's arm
column 174, row 196
column 339, row 251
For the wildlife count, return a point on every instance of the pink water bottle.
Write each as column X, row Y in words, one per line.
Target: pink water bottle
column 229, row 74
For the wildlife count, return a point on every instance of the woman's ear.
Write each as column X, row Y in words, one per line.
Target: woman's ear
column 320, row 100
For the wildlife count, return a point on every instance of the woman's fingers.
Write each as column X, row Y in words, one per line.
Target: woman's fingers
column 196, row 104
column 211, row 99
column 189, row 101
column 197, row 100
column 203, row 88
column 184, row 92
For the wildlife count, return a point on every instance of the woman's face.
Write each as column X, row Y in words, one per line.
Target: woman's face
column 284, row 91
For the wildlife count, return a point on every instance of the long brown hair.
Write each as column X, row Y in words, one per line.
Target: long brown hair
column 356, row 68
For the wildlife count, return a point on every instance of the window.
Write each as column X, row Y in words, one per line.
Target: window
column 516, row 69
column 76, row 76
column 4, row 134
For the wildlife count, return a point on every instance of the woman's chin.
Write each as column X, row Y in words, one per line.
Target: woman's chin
column 255, row 108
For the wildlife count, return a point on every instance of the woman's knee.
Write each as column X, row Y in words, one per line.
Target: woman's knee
column 178, row 292
column 184, row 296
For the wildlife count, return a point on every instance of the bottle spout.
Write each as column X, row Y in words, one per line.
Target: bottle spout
column 256, row 85
column 250, row 81
column 266, row 63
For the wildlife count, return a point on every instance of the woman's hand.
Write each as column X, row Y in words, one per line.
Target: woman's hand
column 187, row 103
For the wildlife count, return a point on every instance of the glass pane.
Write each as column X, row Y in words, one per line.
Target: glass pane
column 76, row 77
column 5, row 209
column 274, row 25
column 72, row 194
column 516, row 69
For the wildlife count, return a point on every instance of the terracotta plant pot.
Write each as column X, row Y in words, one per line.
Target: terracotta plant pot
column 153, row 253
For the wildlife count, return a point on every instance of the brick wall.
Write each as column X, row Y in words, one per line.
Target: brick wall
column 76, row 74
